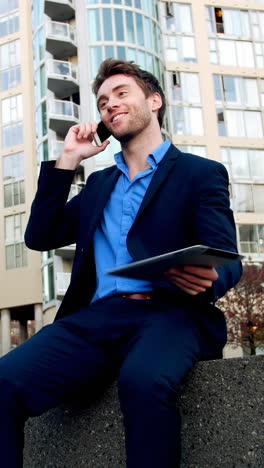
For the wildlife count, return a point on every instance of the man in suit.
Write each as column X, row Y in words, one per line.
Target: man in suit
column 147, row 335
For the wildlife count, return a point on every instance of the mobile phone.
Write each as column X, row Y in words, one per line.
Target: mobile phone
column 101, row 134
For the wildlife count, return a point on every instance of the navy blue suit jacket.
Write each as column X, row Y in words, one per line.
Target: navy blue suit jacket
column 187, row 203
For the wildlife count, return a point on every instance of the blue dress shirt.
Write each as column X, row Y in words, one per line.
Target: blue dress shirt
column 110, row 246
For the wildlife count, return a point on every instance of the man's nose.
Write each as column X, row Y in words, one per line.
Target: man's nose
column 112, row 103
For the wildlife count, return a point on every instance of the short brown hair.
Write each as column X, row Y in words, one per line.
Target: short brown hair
column 147, row 82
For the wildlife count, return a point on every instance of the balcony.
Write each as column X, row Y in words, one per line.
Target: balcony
column 62, row 78
column 67, row 252
column 60, row 10
column 62, row 115
column 55, row 149
column 62, row 283
column 60, row 39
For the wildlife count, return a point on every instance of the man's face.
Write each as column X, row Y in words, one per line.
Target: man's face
column 123, row 106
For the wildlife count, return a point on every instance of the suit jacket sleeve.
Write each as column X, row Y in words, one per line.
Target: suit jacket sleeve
column 53, row 222
column 214, row 224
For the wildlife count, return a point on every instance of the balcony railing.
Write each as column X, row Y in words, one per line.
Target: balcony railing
column 62, row 284
column 60, row 9
column 60, row 39
column 62, row 78
column 62, row 115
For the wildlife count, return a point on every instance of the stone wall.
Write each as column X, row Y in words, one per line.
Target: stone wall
column 222, row 405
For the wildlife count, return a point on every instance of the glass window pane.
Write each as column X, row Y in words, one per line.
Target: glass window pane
column 231, row 91
column 243, row 198
column 190, row 88
column 253, row 124
column 96, row 58
column 139, row 27
column 187, row 49
column 235, row 123
column 245, row 54
column 251, row 92
column 8, row 195
column 94, row 25
column 10, row 257
column 196, row 121
column 239, row 163
column 256, row 161
column 107, row 20
column 109, row 52
column 227, row 52
column 130, row 27
column 121, row 53
column 258, row 195
column 119, row 25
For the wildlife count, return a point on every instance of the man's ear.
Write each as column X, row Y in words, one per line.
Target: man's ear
column 156, row 101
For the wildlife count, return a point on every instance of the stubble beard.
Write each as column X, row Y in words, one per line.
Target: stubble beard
column 135, row 126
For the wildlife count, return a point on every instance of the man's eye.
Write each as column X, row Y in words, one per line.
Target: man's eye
column 102, row 105
column 122, row 93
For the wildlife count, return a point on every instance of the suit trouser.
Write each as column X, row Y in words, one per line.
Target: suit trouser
column 149, row 346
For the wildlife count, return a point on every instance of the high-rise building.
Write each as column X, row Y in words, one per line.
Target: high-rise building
column 209, row 58
column 20, row 269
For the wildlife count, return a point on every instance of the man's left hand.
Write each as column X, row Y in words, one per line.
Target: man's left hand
column 192, row 279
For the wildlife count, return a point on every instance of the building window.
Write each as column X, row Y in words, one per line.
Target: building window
column 180, row 49
column 8, row 5
column 10, row 78
column 12, row 126
column 9, row 24
column 228, row 21
column 247, row 27
column 13, row 175
column 251, row 238
column 178, row 17
column 187, row 120
column 48, row 277
column 187, row 115
column 178, row 28
column 146, row 60
column 9, row 54
column 246, row 173
column 15, row 250
column 10, row 70
column 239, row 123
column 238, row 91
column 244, row 164
column 198, row 150
column 184, row 87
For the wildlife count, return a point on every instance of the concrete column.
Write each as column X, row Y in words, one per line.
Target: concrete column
column 38, row 315
column 5, row 330
column 23, row 332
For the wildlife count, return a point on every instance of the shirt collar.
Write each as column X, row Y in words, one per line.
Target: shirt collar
column 153, row 158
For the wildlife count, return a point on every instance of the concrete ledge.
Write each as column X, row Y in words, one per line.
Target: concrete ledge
column 222, row 405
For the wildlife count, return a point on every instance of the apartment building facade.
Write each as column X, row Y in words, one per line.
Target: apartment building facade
column 209, row 57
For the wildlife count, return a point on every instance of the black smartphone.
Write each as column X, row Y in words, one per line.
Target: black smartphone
column 101, row 134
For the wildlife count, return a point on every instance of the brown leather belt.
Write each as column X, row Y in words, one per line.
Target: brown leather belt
column 143, row 295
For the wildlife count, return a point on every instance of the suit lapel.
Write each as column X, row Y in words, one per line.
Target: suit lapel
column 161, row 174
column 98, row 197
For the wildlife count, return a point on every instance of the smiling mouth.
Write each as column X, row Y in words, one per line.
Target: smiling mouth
column 117, row 117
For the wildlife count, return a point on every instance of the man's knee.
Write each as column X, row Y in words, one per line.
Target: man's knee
column 11, row 401
column 147, row 389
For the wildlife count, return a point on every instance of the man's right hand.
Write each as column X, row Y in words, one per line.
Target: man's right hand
column 78, row 146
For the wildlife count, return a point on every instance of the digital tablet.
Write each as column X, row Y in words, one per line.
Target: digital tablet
column 153, row 268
